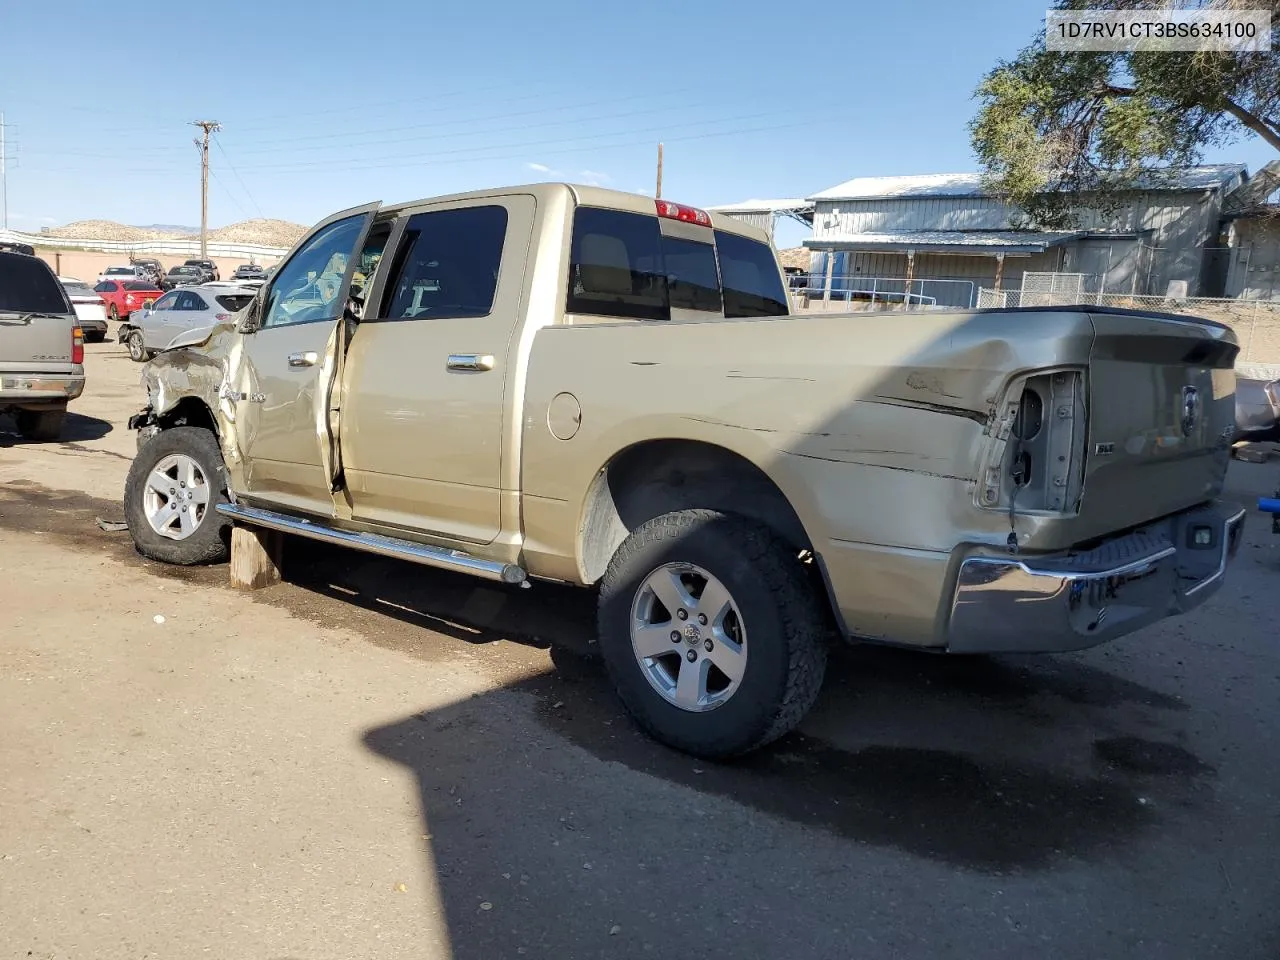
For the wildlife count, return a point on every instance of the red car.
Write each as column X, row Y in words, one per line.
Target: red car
column 125, row 296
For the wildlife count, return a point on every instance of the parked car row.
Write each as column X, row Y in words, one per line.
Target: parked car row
column 189, row 272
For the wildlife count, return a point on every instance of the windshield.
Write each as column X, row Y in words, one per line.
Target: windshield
column 183, row 271
column 27, row 285
column 140, row 285
column 117, row 272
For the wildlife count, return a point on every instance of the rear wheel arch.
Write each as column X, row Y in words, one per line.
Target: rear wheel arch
column 657, row 477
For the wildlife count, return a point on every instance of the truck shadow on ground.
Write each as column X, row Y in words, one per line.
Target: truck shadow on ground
column 76, row 428
column 1033, row 768
column 514, row 777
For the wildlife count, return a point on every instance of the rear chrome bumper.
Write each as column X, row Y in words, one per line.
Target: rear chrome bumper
column 1071, row 601
column 20, row 390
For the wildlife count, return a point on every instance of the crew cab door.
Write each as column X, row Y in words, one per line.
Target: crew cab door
column 422, row 422
column 282, row 379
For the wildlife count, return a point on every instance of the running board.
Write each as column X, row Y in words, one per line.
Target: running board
column 428, row 556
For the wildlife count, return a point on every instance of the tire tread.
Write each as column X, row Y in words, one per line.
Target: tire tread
column 805, row 623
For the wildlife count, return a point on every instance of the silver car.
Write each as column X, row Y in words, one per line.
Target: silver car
column 1257, row 409
column 178, row 312
column 90, row 308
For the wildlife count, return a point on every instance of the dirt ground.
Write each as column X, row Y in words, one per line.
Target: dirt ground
column 375, row 760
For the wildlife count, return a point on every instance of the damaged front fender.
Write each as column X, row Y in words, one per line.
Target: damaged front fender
column 195, row 382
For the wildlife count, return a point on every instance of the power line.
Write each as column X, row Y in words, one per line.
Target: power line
column 230, row 196
column 430, row 160
column 231, row 167
column 290, row 143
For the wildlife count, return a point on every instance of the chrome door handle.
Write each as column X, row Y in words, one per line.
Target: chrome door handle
column 308, row 359
column 470, row 361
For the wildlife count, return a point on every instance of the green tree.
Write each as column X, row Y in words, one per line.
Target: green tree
column 1052, row 123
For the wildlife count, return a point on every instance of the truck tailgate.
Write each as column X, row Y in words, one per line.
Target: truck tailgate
column 40, row 344
column 1161, row 415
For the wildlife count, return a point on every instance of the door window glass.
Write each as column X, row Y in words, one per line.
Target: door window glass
column 448, row 264
column 309, row 286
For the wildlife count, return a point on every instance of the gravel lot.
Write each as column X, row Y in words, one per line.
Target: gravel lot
column 375, row 760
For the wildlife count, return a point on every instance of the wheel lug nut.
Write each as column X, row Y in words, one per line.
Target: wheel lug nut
column 682, row 614
column 702, row 619
column 675, row 636
column 707, row 646
column 172, row 491
column 691, row 656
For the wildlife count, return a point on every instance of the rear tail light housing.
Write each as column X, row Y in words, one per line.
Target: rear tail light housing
column 1035, row 457
column 678, row 211
column 77, row 345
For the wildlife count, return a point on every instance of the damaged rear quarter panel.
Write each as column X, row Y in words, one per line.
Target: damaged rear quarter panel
column 872, row 426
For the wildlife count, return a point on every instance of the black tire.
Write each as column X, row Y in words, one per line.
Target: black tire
column 210, row 541
column 787, row 629
column 95, row 336
column 41, row 426
column 133, row 342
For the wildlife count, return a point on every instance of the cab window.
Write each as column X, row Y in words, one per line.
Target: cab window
column 448, row 264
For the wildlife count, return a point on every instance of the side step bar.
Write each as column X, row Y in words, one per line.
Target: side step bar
column 429, row 556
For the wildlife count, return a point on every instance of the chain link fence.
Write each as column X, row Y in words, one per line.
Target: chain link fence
column 1256, row 322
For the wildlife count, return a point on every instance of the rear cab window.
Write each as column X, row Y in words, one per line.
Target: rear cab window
column 27, row 285
column 638, row 266
column 234, row 302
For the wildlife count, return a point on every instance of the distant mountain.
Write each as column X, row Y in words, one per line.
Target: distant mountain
column 167, row 228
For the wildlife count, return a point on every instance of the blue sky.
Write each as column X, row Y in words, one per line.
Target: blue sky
column 327, row 104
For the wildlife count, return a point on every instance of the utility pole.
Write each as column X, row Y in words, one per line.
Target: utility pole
column 209, row 127
column 4, row 182
column 658, row 192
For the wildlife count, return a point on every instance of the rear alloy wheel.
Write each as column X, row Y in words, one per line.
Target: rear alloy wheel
column 112, row 312
column 171, row 496
column 712, row 632
column 41, row 426
column 137, row 352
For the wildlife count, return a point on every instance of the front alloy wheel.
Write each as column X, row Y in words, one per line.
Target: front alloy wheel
column 176, row 497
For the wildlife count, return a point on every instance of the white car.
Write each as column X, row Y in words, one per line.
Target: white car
column 125, row 271
column 91, row 309
column 180, row 311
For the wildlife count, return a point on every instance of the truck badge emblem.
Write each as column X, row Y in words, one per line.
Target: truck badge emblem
column 1190, row 409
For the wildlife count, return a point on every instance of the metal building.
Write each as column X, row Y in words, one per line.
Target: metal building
column 940, row 237
column 765, row 213
column 1254, row 272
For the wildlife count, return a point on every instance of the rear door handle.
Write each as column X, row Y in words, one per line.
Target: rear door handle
column 470, row 361
column 308, row 359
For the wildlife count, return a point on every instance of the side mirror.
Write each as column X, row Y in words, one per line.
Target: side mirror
column 252, row 318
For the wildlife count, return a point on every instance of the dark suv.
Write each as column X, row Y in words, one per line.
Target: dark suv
column 208, row 266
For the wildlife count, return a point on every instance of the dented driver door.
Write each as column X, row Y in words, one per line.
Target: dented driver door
column 285, row 372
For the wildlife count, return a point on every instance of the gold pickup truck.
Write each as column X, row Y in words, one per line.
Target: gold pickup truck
column 567, row 383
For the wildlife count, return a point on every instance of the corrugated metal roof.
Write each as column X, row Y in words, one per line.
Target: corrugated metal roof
column 983, row 241
column 970, row 184
column 762, row 206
